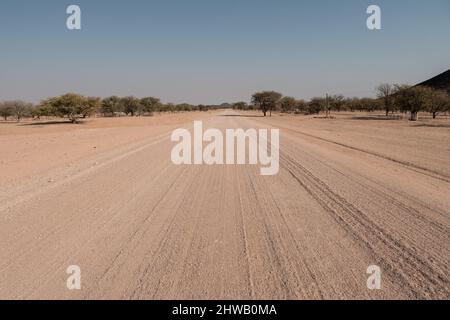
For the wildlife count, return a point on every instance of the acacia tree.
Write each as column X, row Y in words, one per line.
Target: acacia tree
column 20, row 109
column 90, row 106
column 385, row 92
column 17, row 108
column 266, row 101
column 300, row 105
column 40, row 111
column 240, row 105
column 202, row 107
column 316, row 105
column 111, row 105
column 184, row 107
column 288, row 104
column 5, row 110
column 440, row 102
column 149, row 104
column 131, row 105
column 71, row 105
column 353, row 104
column 336, row 102
column 413, row 99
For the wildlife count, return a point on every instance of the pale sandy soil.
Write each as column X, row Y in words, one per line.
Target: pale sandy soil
column 105, row 196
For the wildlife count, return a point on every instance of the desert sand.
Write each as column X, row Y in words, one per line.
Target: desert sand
column 104, row 195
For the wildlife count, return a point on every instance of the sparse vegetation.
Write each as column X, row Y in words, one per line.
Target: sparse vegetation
column 17, row 109
column 240, row 106
column 390, row 98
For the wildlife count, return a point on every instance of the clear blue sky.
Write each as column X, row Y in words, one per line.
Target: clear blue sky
column 214, row 51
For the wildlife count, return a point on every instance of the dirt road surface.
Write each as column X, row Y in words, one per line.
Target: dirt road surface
column 349, row 194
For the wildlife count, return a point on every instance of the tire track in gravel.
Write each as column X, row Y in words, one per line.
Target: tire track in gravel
column 172, row 243
column 282, row 246
column 294, row 274
column 384, row 247
column 408, row 165
column 244, row 238
column 69, row 176
column 440, row 221
column 131, row 239
column 99, row 215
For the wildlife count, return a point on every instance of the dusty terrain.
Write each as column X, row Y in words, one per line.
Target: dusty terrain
column 104, row 195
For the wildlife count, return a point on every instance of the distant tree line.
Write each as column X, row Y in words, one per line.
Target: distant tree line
column 390, row 99
column 74, row 106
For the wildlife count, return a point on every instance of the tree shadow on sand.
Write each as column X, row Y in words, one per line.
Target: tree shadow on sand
column 432, row 125
column 382, row 118
column 53, row 122
column 241, row 116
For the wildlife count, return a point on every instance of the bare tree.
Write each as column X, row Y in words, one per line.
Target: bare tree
column 385, row 92
column 19, row 109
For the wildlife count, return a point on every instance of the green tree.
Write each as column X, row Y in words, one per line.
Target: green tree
column 168, row 107
column 336, row 102
column 111, row 106
column 413, row 99
column 90, row 106
column 440, row 102
column 300, row 106
column 353, row 104
column 5, row 110
column 184, row 107
column 150, row 105
column 316, row 105
column 288, row 104
column 40, row 111
column 70, row 105
column 240, row 105
column 131, row 105
column 370, row 105
column 202, row 107
column 266, row 101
